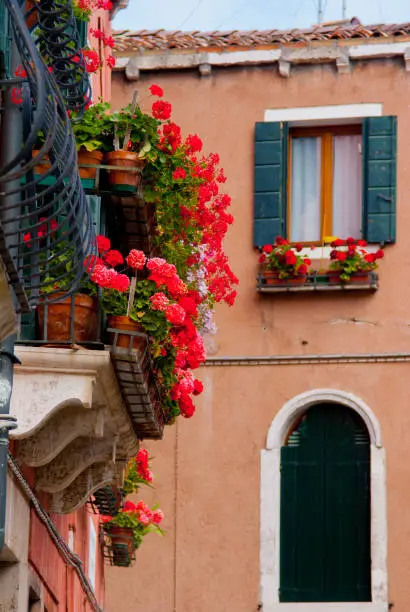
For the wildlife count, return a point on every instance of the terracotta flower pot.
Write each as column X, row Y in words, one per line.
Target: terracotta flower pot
column 89, row 157
column 356, row 278
column 125, row 340
column 43, row 166
column 122, row 180
column 272, row 278
column 32, row 18
column 59, row 318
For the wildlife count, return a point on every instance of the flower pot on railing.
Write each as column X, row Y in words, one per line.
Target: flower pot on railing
column 122, row 546
column 126, row 340
column 60, row 314
column 88, row 158
column 43, row 166
column 121, row 179
column 31, row 19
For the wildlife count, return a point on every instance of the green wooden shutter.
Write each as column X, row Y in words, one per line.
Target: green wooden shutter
column 379, row 179
column 325, row 509
column 270, row 182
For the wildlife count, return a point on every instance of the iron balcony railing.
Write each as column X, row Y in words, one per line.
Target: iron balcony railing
column 46, row 230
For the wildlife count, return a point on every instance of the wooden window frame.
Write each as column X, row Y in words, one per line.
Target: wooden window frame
column 326, row 134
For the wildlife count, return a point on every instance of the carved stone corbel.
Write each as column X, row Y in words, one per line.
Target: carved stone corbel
column 74, row 496
column 72, row 461
column 57, row 433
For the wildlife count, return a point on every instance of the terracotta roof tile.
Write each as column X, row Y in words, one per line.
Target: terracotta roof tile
column 127, row 40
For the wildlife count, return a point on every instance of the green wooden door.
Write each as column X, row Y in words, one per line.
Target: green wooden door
column 325, row 509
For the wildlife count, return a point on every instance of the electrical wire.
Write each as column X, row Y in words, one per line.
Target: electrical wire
column 236, row 12
column 194, row 10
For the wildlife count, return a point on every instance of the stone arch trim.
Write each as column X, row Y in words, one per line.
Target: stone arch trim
column 293, row 408
column 270, row 502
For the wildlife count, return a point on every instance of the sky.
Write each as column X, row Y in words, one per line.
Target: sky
column 252, row 14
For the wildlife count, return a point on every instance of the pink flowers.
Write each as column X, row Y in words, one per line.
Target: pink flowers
column 159, row 301
column 175, row 314
column 156, row 90
column 136, row 259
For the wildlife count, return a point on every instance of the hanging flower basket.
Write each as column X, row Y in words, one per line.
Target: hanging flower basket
column 119, row 545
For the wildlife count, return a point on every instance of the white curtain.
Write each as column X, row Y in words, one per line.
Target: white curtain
column 305, row 223
column 347, row 187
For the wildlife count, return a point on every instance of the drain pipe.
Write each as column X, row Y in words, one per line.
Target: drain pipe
column 10, row 145
column 7, row 423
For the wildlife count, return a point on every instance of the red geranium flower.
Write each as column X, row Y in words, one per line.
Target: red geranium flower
column 161, row 110
column 268, row 248
column 179, row 173
column 113, row 258
column 103, row 244
column 341, row 256
column 136, row 259
column 156, row 90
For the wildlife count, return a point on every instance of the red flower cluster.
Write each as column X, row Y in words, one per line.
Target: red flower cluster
column 161, row 110
column 92, row 60
column 142, row 465
column 179, row 173
column 156, row 90
column 193, row 144
column 43, row 229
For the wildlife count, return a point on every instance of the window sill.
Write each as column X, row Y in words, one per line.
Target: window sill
column 327, row 607
column 315, row 282
column 323, row 252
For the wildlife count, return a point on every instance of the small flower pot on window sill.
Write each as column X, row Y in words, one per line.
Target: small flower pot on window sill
column 123, row 180
column 356, row 278
column 271, row 277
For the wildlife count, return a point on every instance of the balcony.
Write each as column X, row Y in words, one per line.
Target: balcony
column 93, row 396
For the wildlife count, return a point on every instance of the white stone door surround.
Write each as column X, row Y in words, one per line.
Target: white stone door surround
column 270, row 505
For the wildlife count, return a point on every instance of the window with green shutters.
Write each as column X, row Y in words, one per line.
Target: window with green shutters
column 325, row 509
column 300, row 177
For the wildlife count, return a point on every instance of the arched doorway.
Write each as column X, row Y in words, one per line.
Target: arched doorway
column 325, row 525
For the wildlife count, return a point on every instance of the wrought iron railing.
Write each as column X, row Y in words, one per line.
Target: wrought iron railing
column 58, row 41
column 46, row 231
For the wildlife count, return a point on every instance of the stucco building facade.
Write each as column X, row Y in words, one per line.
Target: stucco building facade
column 278, row 355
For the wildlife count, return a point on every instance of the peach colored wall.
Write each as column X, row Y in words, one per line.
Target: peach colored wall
column 209, row 486
column 101, row 80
